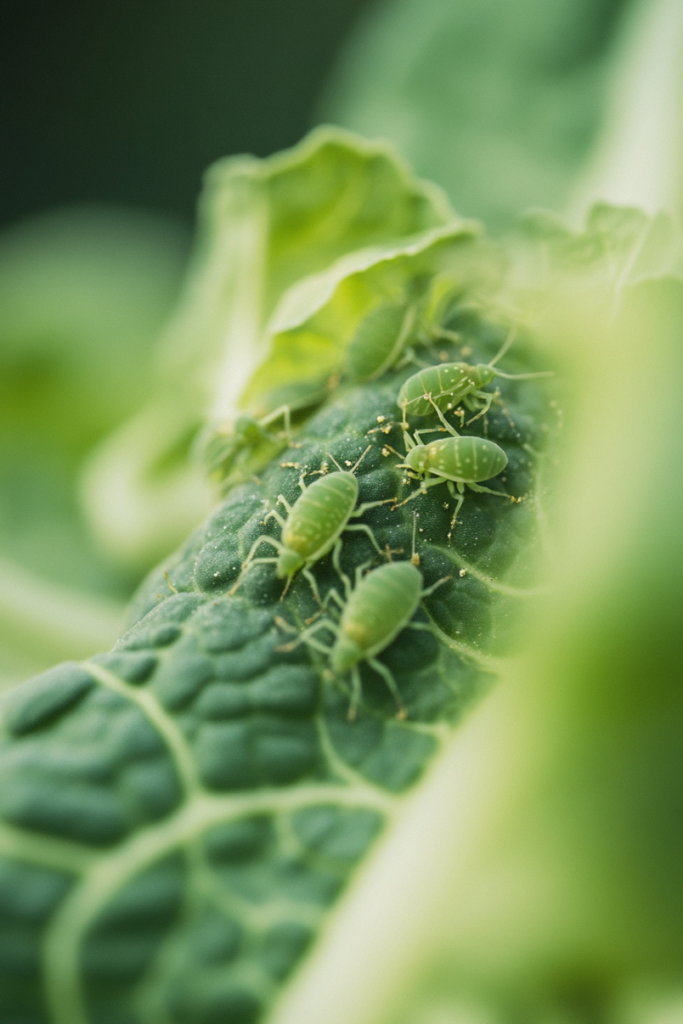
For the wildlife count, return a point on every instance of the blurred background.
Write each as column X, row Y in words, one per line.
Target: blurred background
column 111, row 113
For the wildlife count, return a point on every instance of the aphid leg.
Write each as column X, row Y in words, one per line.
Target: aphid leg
column 336, row 552
column 408, row 441
column 427, row 593
column 314, row 586
column 250, row 560
column 332, row 594
column 356, row 693
column 386, row 674
column 362, row 527
column 284, row 412
column 430, row 430
column 414, row 557
column 370, row 504
column 305, row 637
column 447, row 425
column 274, row 514
column 359, row 570
column 459, row 498
column 487, row 397
column 489, row 490
column 422, row 489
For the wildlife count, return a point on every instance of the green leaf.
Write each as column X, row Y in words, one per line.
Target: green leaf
column 181, row 814
column 263, row 225
column 316, row 319
column 266, row 224
column 498, row 102
column 83, row 295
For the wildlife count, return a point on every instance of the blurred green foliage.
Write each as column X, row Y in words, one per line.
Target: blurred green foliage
column 498, row 101
column 83, row 295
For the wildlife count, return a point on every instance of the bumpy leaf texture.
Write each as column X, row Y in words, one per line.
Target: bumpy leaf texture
column 179, row 815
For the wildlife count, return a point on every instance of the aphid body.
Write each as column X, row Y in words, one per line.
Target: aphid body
column 379, row 607
column 376, row 611
column 379, row 341
column 462, row 460
column 314, row 525
column 230, row 441
column 443, row 387
column 456, row 461
column 316, row 520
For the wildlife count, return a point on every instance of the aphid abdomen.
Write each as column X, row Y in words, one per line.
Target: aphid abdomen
column 319, row 515
column 445, row 383
column 465, row 459
column 377, row 610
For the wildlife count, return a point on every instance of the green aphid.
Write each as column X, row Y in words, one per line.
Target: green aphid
column 230, row 443
column 314, row 525
column 379, row 607
column 380, row 341
column 447, row 385
column 455, row 461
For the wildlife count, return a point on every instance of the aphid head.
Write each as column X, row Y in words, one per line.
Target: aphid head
column 288, row 562
column 417, row 458
column 482, row 375
column 345, row 654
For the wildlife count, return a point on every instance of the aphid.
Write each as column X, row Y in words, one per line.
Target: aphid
column 456, row 461
column 446, row 385
column 381, row 605
column 314, row 525
column 248, row 443
column 379, row 341
column 229, row 441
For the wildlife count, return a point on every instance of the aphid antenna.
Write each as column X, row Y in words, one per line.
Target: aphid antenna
column 359, row 460
column 356, row 463
column 515, row 376
column 507, row 344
